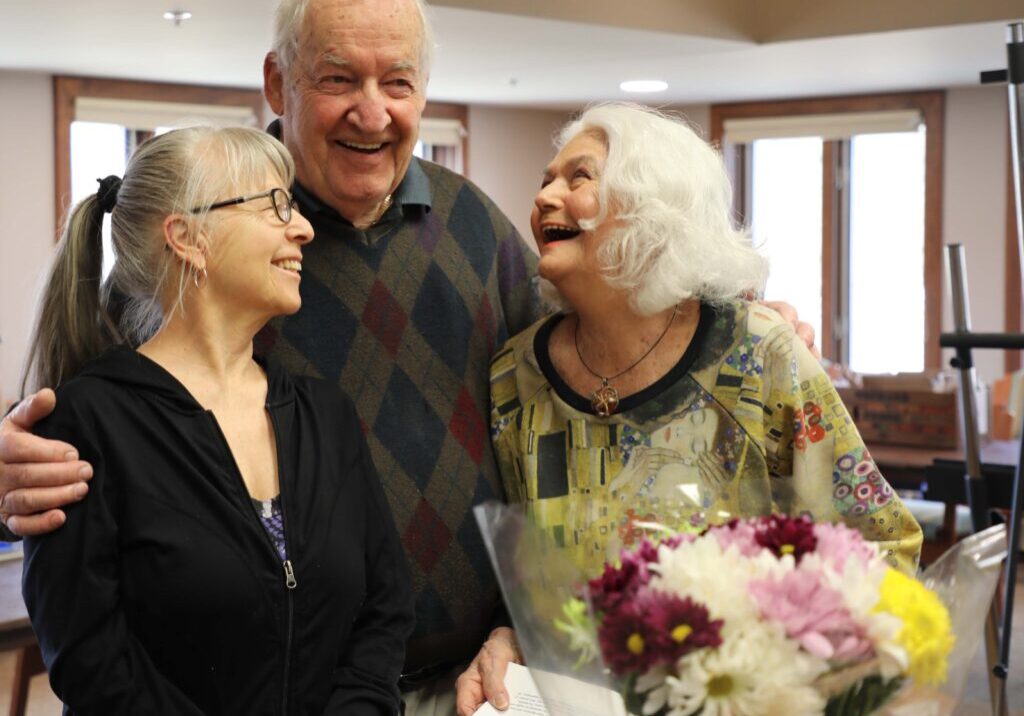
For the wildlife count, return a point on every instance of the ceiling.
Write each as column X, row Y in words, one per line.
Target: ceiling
column 531, row 53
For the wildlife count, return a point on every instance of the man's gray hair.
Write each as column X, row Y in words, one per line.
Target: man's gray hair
column 670, row 191
column 291, row 17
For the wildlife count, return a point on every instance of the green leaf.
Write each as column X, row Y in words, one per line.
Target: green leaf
column 863, row 698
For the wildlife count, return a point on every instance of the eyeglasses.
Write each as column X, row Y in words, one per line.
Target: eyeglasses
column 283, row 203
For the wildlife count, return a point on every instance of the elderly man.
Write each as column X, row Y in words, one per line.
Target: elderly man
column 414, row 280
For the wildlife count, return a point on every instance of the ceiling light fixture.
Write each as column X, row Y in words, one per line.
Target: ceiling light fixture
column 177, row 16
column 644, row 86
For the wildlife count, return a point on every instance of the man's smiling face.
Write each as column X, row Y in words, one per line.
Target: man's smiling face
column 351, row 101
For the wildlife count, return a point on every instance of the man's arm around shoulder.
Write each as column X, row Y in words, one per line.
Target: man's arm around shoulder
column 37, row 476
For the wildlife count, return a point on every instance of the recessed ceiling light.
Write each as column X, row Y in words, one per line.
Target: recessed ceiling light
column 177, row 16
column 644, row 86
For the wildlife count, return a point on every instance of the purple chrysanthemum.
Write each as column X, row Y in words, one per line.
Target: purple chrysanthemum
column 618, row 584
column 680, row 625
column 627, row 639
column 786, row 535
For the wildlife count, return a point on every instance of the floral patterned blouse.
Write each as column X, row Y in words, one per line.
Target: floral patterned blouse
column 746, row 424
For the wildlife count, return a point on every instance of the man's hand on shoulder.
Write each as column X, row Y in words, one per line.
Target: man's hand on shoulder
column 804, row 331
column 37, row 476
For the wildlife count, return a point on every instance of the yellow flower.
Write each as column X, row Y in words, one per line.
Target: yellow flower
column 927, row 632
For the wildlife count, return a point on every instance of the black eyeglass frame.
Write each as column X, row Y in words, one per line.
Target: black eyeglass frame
column 272, row 193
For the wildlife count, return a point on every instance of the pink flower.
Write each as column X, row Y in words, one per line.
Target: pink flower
column 836, row 542
column 740, row 534
column 813, row 614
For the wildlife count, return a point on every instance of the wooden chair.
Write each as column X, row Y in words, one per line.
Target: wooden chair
column 29, row 664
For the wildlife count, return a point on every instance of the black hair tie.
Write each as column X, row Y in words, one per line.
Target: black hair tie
column 106, row 195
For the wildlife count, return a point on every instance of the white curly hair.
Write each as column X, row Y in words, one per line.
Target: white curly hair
column 673, row 198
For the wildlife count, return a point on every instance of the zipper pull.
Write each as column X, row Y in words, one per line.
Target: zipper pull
column 289, row 575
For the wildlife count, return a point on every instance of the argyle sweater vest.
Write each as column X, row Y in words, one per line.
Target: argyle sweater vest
column 406, row 325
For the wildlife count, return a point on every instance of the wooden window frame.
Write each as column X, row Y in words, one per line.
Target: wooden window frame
column 931, row 105
column 68, row 89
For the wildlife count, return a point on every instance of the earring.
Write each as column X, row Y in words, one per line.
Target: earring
column 195, row 277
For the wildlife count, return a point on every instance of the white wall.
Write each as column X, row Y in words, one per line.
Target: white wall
column 26, row 212
column 699, row 116
column 974, row 209
column 508, row 150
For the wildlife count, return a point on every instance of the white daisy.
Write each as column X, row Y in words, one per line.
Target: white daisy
column 860, row 585
column 755, row 672
column 717, row 579
column 653, row 684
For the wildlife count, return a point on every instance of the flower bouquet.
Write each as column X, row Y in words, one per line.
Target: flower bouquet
column 762, row 616
column 772, row 615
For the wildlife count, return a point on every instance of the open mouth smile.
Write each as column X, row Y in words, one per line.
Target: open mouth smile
column 361, row 147
column 559, row 232
column 289, row 265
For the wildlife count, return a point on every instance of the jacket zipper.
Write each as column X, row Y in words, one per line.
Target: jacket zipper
column 290, row 583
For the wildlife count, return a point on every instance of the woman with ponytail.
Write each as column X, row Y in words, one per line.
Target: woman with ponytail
column 235, row 553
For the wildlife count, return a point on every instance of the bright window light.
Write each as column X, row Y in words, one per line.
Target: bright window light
column 887, row 252
column 786, row 221
column 644, row 86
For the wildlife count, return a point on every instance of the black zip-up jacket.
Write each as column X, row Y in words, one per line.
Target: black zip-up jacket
column 163, row 593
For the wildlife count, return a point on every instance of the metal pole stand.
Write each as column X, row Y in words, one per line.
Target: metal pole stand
column 997, row 644
column 997, row 637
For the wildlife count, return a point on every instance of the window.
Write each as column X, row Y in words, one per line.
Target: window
column 440, row 141
column 785, row 208
column 843, row 196
column 443, row 136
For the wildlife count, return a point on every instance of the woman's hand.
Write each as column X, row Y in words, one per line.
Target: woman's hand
column 484, row 680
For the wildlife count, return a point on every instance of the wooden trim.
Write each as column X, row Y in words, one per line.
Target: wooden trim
column 63, row 116
column 67, row 89
column 817, row 105
column 741, row 189
column 932, row 106
column 829, row 283
column 449, row 110
column 1011, row 359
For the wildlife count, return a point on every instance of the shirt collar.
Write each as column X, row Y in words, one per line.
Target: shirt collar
column 411, row 198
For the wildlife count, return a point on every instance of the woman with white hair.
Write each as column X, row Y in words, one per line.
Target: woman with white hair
column 658, row 391
column 235, row 553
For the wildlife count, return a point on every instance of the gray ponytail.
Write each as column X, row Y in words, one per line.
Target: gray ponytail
column 72, row 325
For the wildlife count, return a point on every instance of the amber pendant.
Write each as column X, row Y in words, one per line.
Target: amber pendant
column 604, row 400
